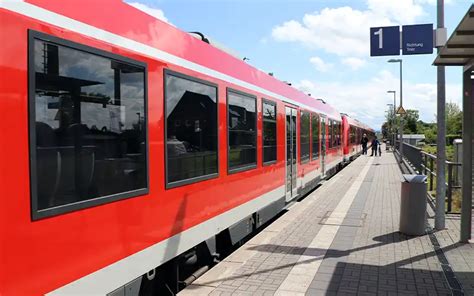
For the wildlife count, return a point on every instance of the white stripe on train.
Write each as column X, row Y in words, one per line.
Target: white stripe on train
column 125, row 270
column 59, row 20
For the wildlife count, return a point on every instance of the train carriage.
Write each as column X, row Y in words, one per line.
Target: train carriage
column 134, row 153
column 353, row 131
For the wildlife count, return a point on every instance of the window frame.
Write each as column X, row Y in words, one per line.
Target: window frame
column 249, row 166
column 170, row 185
column 36, row 213
column 270, row 102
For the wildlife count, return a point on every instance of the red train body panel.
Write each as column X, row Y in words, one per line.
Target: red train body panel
column 100, row 248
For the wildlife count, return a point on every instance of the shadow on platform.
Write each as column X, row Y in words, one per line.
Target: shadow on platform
column 336, row 276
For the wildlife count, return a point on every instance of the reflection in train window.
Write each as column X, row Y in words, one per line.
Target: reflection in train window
column 315, row 135
column 191, row 129
column 329, row 134
column 242, row 129
column 304, row 136
column 269, row 131
column 352, row 135
column 338, row 133
column 89, row 125
column 334, row 134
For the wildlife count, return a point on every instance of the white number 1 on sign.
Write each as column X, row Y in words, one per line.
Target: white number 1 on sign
column 380, row 34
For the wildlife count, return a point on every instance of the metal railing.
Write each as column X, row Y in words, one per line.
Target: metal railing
column 422, row 162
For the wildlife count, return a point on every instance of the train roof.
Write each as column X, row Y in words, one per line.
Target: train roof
column 357, row 123
column 157, row 39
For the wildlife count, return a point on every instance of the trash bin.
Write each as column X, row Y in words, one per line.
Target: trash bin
column 413, row 205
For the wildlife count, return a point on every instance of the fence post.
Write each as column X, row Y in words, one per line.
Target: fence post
column 425, row 162
column 450, row 186
column 420, row 161
column 431, row 174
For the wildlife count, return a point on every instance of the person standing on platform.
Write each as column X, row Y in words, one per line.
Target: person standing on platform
column 375, row 146
column 364, row 141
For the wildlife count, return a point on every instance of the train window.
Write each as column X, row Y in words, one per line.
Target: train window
column 352, row 135
column 329, row 134
column 334, row 136
column 304, row 136
column 269, row 132
column 339, row 133
column 242, row 131
column 336, row 133
column 87, row 126
column 315, row 135
column 191, row 129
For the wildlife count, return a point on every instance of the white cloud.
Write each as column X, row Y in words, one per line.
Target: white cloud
column 368, row 100
column 401, row 11
column 154, row 12
column 320, row 65
column 344, row 31
column 353, row 63
column 433, row 2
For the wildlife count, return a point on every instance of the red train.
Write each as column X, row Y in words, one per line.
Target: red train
column 134, row 153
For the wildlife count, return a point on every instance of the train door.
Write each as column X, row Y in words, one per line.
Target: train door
column 323, row 146
column 291, row 171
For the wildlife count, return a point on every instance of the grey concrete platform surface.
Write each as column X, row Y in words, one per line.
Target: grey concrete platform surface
column 343, row 239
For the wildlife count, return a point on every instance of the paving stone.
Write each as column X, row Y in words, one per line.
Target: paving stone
column 366, row 255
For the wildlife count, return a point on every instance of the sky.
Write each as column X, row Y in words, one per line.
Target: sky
column 322, row 47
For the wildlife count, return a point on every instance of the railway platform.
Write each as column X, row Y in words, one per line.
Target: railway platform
column 343, row 239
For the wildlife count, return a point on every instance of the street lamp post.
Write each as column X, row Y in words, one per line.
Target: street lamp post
column 401, row 105
column 394, row 116
column 390, row 123
column 441, row 134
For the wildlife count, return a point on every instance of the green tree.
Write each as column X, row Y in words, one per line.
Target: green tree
column 453, row 119
column 430, row 135
column 410, row 120
column 385, row 130
column 389, row 126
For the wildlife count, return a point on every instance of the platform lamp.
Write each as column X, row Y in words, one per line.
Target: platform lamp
column 390, row 124
column 401, row 104
column 394, row 122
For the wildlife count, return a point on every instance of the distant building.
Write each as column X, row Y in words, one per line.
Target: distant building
column 413, row 139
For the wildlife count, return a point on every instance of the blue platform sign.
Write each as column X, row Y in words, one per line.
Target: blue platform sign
column 385, row 41
column 417, row 39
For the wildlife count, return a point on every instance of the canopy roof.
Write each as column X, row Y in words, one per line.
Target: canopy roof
column 459, row 50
